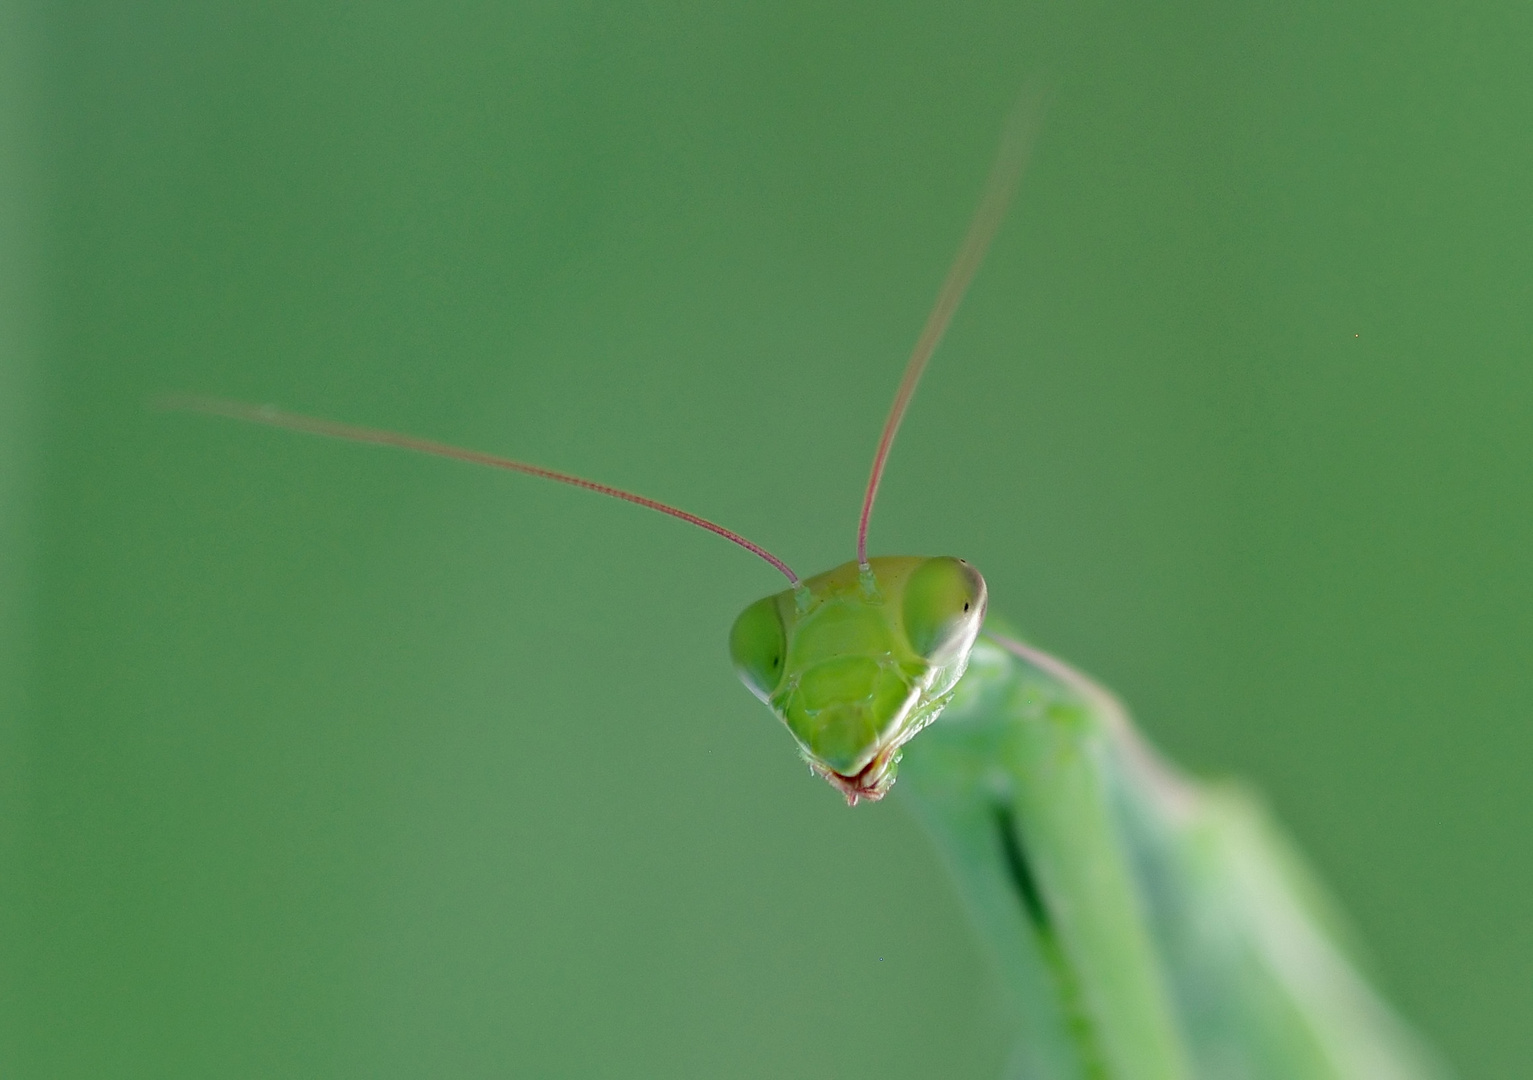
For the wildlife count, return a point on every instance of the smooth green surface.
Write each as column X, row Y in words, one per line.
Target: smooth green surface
column 1144, row 923
column 336, row 762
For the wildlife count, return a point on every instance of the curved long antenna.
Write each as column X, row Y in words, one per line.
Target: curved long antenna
column 1010, row 160
column 313, row 425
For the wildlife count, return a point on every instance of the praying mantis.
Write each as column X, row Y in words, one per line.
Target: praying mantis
column 1145, row 925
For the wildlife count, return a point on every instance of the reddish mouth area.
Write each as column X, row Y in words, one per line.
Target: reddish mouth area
column 871, row 784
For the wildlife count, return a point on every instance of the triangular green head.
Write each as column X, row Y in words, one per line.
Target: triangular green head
column 857, row 660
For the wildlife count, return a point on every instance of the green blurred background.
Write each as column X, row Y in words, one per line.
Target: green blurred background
column 324, row 761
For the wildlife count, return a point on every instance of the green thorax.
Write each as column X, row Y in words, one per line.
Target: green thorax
column 856, row 660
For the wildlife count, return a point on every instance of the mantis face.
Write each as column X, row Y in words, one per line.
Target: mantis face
column 856, row 661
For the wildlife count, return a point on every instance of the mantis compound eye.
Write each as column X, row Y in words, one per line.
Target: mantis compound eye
column 944, row 606
column 758, row 647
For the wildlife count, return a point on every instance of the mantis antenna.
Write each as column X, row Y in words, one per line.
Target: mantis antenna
column 1010, row 160
column 267, row 414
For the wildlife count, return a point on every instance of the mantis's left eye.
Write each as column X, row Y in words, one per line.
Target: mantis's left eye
column 758, row 647
column 944, row 604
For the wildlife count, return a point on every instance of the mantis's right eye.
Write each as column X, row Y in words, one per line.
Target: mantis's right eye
column 758, row 647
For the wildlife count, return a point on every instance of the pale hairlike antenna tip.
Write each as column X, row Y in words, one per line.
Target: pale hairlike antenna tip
column 313, row 425
column 1010, row 161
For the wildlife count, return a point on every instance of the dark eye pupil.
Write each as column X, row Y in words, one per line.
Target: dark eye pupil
column 966, row 605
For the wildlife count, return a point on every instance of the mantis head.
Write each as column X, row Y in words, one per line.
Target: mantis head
column 858, row 659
